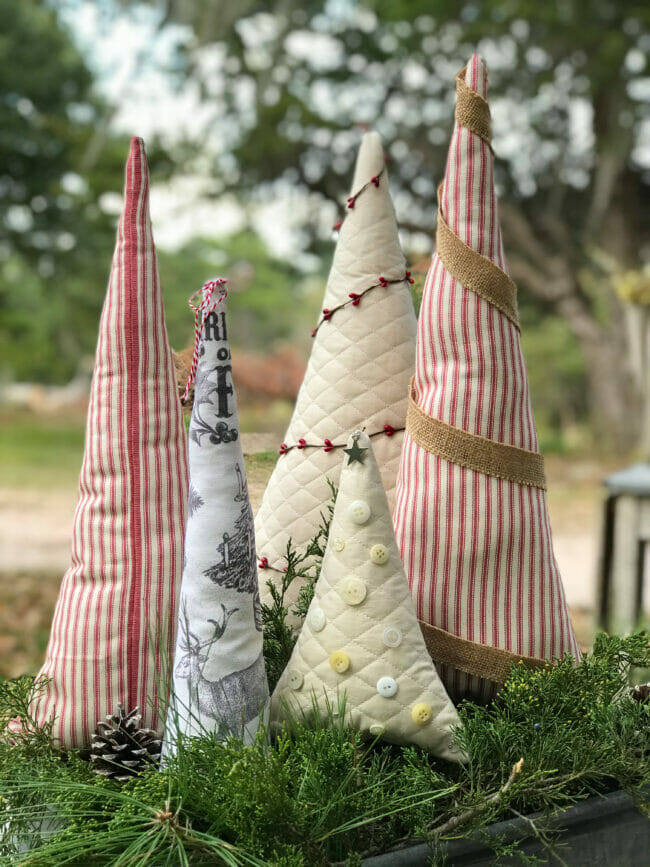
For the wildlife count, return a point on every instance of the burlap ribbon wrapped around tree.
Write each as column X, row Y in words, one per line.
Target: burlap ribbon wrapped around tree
column 471, row 516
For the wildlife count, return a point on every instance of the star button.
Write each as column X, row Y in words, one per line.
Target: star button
column 355, row 453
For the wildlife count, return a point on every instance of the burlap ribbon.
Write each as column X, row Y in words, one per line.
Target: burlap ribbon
column 480, row 660
column 475, row 272
column 472, row 111
column 473, row 451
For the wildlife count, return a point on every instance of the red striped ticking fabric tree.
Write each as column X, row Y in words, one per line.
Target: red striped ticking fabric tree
column 471, row 514
column 115, row 618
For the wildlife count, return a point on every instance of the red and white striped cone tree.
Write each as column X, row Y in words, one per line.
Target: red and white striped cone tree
column 115, row 619
column 471, row 515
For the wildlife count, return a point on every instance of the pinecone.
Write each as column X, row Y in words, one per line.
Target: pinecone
column 120, row 749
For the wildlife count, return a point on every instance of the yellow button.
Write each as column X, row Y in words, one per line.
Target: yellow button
column 353, row 590
column 294, row 679
column 421, row 713
column 338, row 544
column 379, row 554
column 359, row 512
column 339, row 661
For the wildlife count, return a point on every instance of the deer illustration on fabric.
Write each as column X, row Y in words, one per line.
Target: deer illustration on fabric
column 219, row 675
column 225, row 700
column 236, row 566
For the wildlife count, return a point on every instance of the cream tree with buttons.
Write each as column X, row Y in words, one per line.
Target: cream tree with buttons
column 361, row 647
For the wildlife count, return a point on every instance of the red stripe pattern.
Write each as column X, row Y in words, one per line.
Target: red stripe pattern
column 477, row 549
column 115, row 618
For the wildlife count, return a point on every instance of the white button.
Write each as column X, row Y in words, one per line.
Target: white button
column 338, row 544
column 376, row 729
column 386, row 687
column 316, row 619
column 294, row 678
column 353, row 590
column 392, row 636
column 359, row 512
column 379, row 554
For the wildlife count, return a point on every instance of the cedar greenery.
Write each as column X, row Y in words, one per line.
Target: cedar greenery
column 318, row 794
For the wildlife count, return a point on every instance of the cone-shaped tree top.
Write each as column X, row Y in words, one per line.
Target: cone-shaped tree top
column 471, row 516
column 361, row 638
column 358, row 372
column 219, row 676
column 116, row 613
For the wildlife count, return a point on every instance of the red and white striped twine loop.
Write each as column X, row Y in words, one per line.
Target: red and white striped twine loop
column 201, row 312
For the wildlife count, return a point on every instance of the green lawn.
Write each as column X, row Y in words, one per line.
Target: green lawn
column 46, row 451
column 40, row 451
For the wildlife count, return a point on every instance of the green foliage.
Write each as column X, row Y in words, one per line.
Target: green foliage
column 53, row 232
column 317, row 792
column 303, row 567
column 262, row 289
column 556, row 374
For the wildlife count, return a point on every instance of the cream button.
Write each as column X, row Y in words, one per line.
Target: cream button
column 316, row 619
column 379, row 554
column 353, row 590
column 387, row 687
column 421, row 713
column 294, row 679
column 392, row 636
column 338, row 544
column 359, row 512
column 376, row 729
column 339, row 661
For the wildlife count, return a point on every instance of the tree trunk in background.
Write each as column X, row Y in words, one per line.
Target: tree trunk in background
column 638, row 329
column 543, row 261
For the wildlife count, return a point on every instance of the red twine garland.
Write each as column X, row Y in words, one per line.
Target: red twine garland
column 327, row 445
column 351, row 201
column 355, row 297
column 201, row 313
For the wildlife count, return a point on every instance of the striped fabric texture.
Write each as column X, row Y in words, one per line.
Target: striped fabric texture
column 113, row 628
column 477, row 549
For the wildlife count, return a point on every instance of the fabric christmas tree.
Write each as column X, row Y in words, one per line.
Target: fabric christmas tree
column 361, row 641
column 471, row 516
column 358, row 372
column 219, row 676
column 116, row 613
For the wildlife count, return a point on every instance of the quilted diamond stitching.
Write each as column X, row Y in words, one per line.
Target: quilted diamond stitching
column 357, row 376
column 358, row 629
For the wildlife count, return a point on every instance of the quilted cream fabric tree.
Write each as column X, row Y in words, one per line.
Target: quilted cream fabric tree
column 471, row 516
column 361, row 644
column 358, row 372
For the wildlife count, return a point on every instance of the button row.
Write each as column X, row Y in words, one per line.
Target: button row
column 421, row 713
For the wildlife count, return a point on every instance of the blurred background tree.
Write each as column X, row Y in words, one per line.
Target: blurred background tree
column 52, row 229
column 282, row 90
